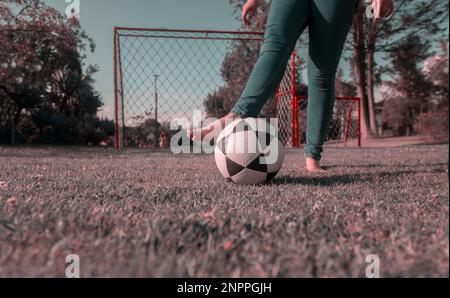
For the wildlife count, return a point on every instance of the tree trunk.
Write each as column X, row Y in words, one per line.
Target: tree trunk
column 14, row 124
column 370, row 92
column 13, row 132
column 359, row 71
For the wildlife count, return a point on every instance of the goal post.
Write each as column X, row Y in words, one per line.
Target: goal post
column 163, row 74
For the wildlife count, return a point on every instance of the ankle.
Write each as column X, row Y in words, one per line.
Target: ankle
column 312, row 161
column 313, row 165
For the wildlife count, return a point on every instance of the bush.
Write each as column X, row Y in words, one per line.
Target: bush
column 434, row 124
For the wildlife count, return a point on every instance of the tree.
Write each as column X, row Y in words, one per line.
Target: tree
column 238, row 65
column 236, row 69
column 371, row 40
column 44, row 82
column 435, row 69
column 344, row 88
column 36, row 42
column 409, row 88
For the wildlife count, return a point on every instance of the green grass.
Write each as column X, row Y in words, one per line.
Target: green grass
column 147, row 214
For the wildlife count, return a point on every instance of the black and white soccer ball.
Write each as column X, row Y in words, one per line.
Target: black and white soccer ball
column 249, row 152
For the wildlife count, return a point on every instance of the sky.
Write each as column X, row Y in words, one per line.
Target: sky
column 98, row 17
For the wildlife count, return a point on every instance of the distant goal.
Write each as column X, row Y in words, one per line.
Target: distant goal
column 164, row 74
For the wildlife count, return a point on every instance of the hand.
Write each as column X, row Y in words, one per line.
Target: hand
column 248, row 11
column 382, row 8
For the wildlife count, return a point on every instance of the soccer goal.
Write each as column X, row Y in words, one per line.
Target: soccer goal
column 162, row 76
column 291, row 111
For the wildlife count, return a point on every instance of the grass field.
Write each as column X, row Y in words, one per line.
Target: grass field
column 144, row 214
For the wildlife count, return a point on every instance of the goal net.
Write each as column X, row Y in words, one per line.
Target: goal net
column 166, row 76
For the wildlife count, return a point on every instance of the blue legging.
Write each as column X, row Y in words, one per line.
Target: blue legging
column 329, row 22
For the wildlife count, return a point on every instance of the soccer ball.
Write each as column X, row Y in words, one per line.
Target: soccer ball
column 249, row 152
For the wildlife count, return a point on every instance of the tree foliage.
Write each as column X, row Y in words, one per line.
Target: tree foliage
column 237, row 67
column 373, row 42
column 413, row 94
column 47, row 91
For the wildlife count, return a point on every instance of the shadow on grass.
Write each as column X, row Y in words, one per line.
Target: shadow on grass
column 344, row 179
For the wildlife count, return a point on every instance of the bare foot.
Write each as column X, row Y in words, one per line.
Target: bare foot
column 313, row 166
column 200, row 133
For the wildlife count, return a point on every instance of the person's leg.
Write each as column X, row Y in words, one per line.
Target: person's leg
column 286, row 21
column 328, row 28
